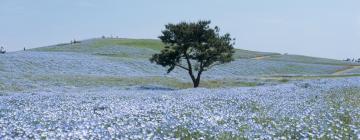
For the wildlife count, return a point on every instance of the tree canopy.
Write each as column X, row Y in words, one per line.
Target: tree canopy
column 194, row 47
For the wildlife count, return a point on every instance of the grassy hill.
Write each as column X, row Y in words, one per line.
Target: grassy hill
column 130, row 48
column 124, row 63
column 133, row 48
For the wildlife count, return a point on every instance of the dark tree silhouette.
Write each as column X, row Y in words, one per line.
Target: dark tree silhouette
column 194, row 47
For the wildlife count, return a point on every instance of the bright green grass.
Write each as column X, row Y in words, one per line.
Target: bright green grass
column 115, row 48
column 141, row 43
column 103, row 44
column 158, row 45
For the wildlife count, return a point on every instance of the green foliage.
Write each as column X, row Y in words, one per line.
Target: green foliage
column 200, row 46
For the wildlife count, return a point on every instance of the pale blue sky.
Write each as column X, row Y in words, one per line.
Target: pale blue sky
column 324, row 28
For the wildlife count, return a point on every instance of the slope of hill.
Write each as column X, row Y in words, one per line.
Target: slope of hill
column 145, row 47
column 127, row 48
column 124, row 63
column 307, row 59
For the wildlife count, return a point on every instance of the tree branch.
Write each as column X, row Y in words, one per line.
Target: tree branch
column 183, row 67
column 201, row 70
column 188, row 61
column 215, row 64
column 189, row 67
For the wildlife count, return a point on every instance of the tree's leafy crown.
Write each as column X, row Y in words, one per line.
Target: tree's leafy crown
column 195, row 43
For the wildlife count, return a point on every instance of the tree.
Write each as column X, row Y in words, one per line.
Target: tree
column 194, row 47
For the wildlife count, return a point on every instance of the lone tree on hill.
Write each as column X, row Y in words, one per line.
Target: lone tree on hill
column 194, row 47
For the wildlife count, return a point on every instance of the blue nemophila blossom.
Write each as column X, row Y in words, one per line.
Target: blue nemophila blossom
column 307, row 109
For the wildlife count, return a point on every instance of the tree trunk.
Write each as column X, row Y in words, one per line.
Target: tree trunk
column 196, row 83
column 197, row 80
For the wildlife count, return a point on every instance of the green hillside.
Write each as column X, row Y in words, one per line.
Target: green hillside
column 144, row 48
column 124, row 63
column 127, row 47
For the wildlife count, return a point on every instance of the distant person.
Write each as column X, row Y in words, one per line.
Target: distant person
column 24, row 49
column 2, row 50
column 75, row 41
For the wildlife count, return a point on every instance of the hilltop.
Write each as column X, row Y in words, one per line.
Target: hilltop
column 124, row 63
column 132, row 48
